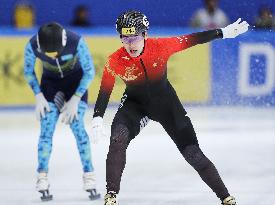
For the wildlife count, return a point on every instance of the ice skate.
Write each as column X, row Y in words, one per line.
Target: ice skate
column 89, row 185
column 229, row 201
column 42, row 186
column 110, row 199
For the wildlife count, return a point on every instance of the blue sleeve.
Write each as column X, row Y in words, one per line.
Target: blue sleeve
column 87, row 65
column 29, row 63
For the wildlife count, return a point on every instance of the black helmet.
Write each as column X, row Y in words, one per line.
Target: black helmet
column 51, row 37
column 131, row 23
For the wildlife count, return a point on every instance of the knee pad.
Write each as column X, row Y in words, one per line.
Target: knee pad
column 195, row 157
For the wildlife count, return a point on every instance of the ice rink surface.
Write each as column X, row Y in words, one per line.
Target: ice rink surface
column 239, row 141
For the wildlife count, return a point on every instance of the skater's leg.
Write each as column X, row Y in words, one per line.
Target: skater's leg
column 83, row 145
column 82, row 139
column 116, row 158
column 206, row 169
column 128, row 122
column 186, row 141
column 180, row 129
column 47, row 127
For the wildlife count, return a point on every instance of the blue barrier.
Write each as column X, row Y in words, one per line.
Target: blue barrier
column 161, row 12
column 243, row 70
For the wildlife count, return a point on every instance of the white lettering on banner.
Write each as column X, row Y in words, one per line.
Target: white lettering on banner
column 245, row 53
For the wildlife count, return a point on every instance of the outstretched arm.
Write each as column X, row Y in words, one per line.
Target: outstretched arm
column 179, row 43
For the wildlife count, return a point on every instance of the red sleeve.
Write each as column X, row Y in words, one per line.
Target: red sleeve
column 106, row 88
column 179, row 43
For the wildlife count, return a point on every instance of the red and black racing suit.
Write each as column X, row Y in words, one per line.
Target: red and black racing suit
column 149, row 95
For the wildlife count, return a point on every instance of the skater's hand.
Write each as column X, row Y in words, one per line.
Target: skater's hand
column 235, row 29
column 97, row 130
column 41, row 106
column 69, row 110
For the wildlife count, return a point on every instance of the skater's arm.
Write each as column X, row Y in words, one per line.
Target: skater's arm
column 87, row 66
column 179, row 43
column 106, row 88
column 29, row 63
column 175, row 44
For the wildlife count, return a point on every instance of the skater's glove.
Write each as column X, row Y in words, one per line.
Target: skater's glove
column 235, row 29
column 70, row 110
column 97, row 130
column 42, row 106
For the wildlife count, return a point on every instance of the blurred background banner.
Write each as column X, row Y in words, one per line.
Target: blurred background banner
column 13, row 87
column 189, row 76
column 225, row 72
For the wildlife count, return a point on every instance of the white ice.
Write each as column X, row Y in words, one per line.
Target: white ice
column 239, row 141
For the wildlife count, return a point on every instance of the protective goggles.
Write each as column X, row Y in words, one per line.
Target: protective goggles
column 132, row 39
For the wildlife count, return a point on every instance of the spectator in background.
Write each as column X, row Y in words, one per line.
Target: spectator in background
column 265, row 20
column 81, row 17
column 209, row 17
column 24, row 15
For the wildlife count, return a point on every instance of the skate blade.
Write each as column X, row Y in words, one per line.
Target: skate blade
column 94, row 197
column 93, row 194
column 46, row 196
